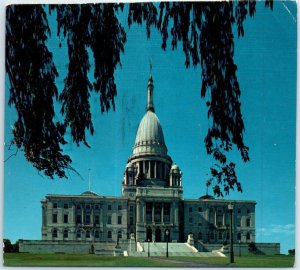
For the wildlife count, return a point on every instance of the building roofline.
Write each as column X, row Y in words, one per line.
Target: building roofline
column 84, row 197
column 220, row 201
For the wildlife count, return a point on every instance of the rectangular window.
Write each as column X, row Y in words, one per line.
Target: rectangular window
column 97, row 219
column 190, row 209
column 108, row 219
column 157, row 212
column 238, row 221
column 239, row 211
column 109, row 207
column 119, row 207
column 78, row 219
column 54, row 205
column 54, row 218
column 66, row 218
column 219, row 220
column 248, row 222
column 148, row 212
column 66, row 206
column 131, row 221
column 200, row 209
column 167, row 211
column 87, row 219
column 131, row 208
column 190, row 220
column 119, row 220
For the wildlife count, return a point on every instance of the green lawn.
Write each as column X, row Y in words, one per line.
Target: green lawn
column 246, row 261
column 26, row 259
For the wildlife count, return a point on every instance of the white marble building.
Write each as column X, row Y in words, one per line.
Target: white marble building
column 151, row 203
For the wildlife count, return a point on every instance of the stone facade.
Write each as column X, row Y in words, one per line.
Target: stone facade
column 151, row 204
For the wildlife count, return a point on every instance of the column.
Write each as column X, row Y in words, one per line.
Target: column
column 82, row 219
column 73, row 218
column 138, row 212
column 162, row 212
column 216, row 210
column 101, row 216
column 144, row 212
column 153, row 212
column 171, row 213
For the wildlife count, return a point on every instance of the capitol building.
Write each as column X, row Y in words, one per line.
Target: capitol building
column 151, row 208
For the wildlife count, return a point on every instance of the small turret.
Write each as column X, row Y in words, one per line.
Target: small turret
column 175, row 176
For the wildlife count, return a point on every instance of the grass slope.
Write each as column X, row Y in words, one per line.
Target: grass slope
column 26, row 259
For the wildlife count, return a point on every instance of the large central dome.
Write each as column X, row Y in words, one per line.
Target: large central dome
column 150, row 137
column 150, row 164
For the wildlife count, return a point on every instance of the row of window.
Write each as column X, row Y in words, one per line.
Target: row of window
column 222, row 236
column 219, row 210
column 87, row 234
column 220, row 221
column 89, row 207
column 87, row 219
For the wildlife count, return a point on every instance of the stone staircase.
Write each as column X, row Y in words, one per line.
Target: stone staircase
column 174, row 249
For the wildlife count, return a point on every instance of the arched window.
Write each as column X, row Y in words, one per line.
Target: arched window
column 54, row 233
column 109, row 235
column 66, row 234
column 78, row 234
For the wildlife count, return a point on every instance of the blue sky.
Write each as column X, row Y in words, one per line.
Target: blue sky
column 266, row 60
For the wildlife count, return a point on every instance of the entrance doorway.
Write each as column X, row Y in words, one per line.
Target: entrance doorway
column 157, row 235
column 149, row 235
